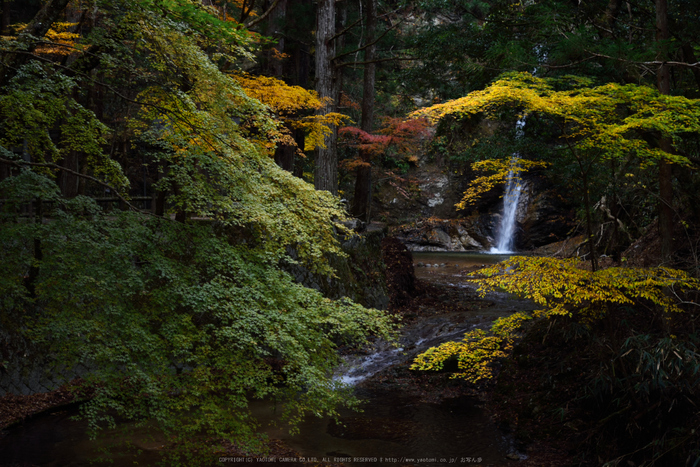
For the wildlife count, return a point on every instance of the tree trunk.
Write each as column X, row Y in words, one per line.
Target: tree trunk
column 689, row 57
column 284, row 157
column 68, row 182
column 5, row 21
column 298, row 169
column 663, row 78
column 362, row 200
column 589, row 225
column 326, row 170
column 276, row 19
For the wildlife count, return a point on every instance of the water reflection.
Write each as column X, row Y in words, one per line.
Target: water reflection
column 451, row 268
column 395, row 426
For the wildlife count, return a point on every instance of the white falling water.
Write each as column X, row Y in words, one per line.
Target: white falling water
column 506, row 230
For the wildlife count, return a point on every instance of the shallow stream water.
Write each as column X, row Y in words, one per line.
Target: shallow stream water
column 395, row 427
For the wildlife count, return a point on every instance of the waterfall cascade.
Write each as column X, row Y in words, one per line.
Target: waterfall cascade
column 506, row 229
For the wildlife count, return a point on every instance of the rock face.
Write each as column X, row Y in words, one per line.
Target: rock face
column 546, row 218
column 428, row 191
column 423, row 215
column 29, row 368
column 360, row 275
column 470, row 234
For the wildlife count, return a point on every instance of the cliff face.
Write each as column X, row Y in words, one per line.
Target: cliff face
column 420, row 210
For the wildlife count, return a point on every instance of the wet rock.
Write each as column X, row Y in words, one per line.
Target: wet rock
column 544, row 219
column 515, row 456
column 354, row 224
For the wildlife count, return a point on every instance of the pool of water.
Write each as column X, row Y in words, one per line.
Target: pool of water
column 393, row 426
column 56, row 439
column 450, row 267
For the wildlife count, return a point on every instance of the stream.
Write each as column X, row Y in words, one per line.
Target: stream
column 396, row 427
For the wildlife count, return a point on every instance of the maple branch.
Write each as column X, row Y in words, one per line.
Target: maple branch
column 263, row 16
column 38, row 27
column 120, row 95
column 244, row 13
column 568, row 65
column 77, row 174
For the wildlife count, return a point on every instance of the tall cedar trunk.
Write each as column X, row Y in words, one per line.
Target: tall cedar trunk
column 326, row 171
column 70, row 183
column 362, row 200
column 611, row 13
column 274, row 30
column 284, row 154
column 298, row 65
column 663, row 78
column 298, row 169
column 5, row 21
column 689, row 57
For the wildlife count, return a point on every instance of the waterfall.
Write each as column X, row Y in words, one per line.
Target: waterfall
column 506, row 230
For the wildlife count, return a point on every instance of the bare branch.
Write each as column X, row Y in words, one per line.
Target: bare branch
column 377, row 60
column 77, row 174
column 648, row 64
column 345, row 30
column 263, row 16
column 359, row 49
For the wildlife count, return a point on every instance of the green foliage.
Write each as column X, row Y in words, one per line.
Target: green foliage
column 215, row 142
column 38, row 101
column 179, row 323
column 176, row 323
column 473, row 42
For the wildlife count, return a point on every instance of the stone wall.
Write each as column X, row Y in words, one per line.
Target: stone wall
column 29, row 369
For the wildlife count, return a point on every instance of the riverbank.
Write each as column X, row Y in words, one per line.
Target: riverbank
column 15, row 408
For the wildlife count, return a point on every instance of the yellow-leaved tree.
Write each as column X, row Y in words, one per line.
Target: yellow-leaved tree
column 563, row 289
column 617, row 348
column 586, row 126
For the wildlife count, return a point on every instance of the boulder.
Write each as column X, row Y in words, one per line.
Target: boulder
column 469, row 234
